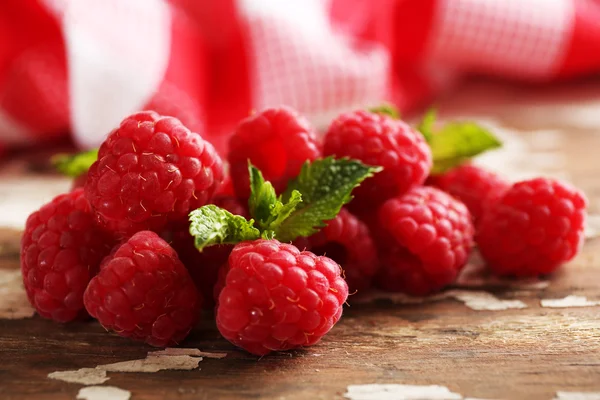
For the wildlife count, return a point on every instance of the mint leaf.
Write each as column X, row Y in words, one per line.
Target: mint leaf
column 386, row 109
column 282, row 211
column 427, row 124
column 325, row 185
column 210, row 225
column 457, row 142
column 268, row 210
column 74, row 165
column 262, row 198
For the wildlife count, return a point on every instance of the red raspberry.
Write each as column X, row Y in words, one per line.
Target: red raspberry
column 537, row 225
column 277, row 298
column 377, row 139
column 203, row 267
column 144, row 292
column 474, row 186
column 435, row 234
column 151, row 170
column 277, row 141
column 61, row 250
column 347, row 241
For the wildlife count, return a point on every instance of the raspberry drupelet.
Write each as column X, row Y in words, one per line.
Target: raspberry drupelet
column 61, row 250
column 433, row 236
column 144, row 292
column 275, row 297
column 475, row 186
column 535, row 227
column 379, row 140
column 151, row 170
column 277, row 141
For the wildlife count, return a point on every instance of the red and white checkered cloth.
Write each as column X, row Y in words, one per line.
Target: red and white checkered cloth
column 80, row 66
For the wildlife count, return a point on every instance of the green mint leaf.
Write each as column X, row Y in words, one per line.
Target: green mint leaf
column 74, row 165
column 326, row 185
column 386, row 109
column 262, row 199
column 457, row 142
column 282, row 211
column 210, row 225
column 427, row 124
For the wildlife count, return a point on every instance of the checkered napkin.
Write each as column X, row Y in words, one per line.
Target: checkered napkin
column 78, row 66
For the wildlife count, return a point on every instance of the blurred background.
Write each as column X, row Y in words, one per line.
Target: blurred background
column 70, row 70
column 74, row 68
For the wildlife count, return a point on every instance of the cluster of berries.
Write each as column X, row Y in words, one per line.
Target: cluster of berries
column 156, row 229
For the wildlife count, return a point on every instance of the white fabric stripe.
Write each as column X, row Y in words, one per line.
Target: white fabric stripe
column 117, row 55
column 513, row 37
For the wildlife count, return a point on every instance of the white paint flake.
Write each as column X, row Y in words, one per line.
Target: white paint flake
column 103, row 393
column 569, row 301
column 84, row 376
column 13, row 299
column 178, row 351
column 476, row 300
column 399, row 392
column 592, row 226
column 154, row 363
column 577, row 396
column 484, row 301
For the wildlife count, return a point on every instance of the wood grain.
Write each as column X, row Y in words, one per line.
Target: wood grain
column 514, row 354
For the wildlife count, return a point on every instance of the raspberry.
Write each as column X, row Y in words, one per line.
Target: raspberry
column 347, row 240
column 474, row 186
column 277, row 141
column 379, row 140
column 434, row 234
column 61, row 250
column 144, row 292
column 277, row 298
column 537, row 225
column 203, row 267
column 151, row 170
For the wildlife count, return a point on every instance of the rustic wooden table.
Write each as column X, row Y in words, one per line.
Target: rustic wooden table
column 531, row 352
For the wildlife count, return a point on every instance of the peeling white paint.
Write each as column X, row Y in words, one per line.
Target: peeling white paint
column 476, row 300
column 577, row 396
column 399, row 392
column 13, row 299
column 84, row 376
column 476, row 275
column 178, row 351
column 103, row 393
column 569, row 301
column 154, row 364
column 484, row 301
column 592, row 226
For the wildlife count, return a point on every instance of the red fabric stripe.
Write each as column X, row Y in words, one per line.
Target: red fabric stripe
column 583, row 56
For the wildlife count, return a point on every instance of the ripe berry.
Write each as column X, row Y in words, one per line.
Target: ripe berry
column 537, row 225
column 151, row 170
column 275, row 297
column 380, row 140
column 61, row 250
column 433, row 234
column 203, row 267
column 347, row 241
column 476, row 187
column 277, row 141
column 144, row 292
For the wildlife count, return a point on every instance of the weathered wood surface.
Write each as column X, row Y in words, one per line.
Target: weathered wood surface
column 526, row 353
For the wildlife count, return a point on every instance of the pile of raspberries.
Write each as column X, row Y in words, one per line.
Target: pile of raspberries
column 118, row 248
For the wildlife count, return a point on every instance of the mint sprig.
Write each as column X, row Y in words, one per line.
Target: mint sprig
column 455, row 142
column 314, row 197
column 326, row 185
column 267, row 209
column 74, row 165
column 211, row 225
